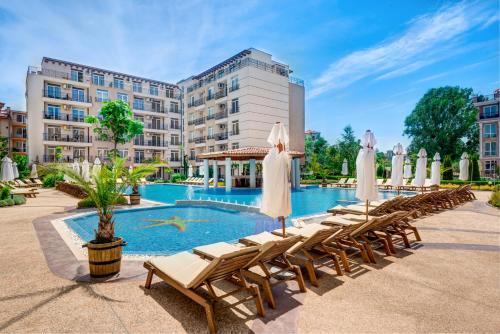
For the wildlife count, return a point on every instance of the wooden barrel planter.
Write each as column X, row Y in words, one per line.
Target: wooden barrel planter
column 105, row 259
column 135, row 199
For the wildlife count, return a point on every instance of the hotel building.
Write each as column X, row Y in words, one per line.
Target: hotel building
column 235, row 103
column 13, row 129
column 59, row 95
column 489, row 124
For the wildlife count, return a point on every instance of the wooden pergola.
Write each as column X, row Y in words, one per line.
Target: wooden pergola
column 251, row 154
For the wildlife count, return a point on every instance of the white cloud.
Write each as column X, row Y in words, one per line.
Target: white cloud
column 428, row 39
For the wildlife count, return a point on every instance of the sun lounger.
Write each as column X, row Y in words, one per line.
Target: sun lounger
column 305, row 252
column 350, row 183
column 380, row 182
column 339, row 183
column 187, row 272
column 387, row 184
column 25, row 192
column 270, row 267
column 38, row 181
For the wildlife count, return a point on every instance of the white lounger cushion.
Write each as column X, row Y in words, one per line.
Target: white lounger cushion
column 218, row 249
column 339, row 220
column 183, row 267
column 262, row 238
column 306, row 231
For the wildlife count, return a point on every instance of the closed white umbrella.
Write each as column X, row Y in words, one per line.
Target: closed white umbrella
column 436, row 170
column 421, row 169
column 15, row 170
column 345, row 168
column 366, row 184
column 34, row 172
column 190, row 171
column 276, row 201
column 7, row 172
column 76, row 167
column 397, row 166
column 86, row 170
column 464, row 167
column 97, row 167
column 407, row 169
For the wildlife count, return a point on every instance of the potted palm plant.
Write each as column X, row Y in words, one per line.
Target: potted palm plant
column 133, row 178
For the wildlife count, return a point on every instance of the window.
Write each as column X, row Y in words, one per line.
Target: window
column 490, row 111
column 234, row 83
column 138, row 156
column 78, row 153
column 235, row 146
column 211, row 112
column 220, row 74
column 118, row 83
column 21, row 118
column 169, row 92
column 235, row 106
column 137, row 87
column 77, row 75
column 210, row 132
column 138, row 103
column 490, row 167
column 79, row 135
column 210, row 93
column 191, row 100
column 77, row 94
column 490, row 130
column 139, row 118
column 54, row 132
column 77, row 115
column 98, row 79
column 174, row 123
column 139, row 140
column 53, row 112
column 156, row 106
column 211, row 149
column 123, row 153
column 54, row 91
column 236, row 128
column 174, row 107
column 174, row 156
column 20, row 133
column 490, row 149
column 122, row 96
column 174, row 139
column 153, row 90
column 191, row 134
column 192, row 155
column 102, row 153
column 102, row 95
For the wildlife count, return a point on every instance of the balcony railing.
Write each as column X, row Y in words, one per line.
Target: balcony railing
column 67, row 138
column 52, row 158
column 175, row 110
column 485, row 98
column 234, row 87
column 63, row 117
column 196, row 103
column 102, row 99
column 221, row 136
column 154, row 126
column 175, row 127
column 151, row 143
column 67, row 96
column 174, row 159
column 235, row 110
column 20, row 135
column 198, row 140
column 220, row 94
column 488, row 116
column 197, row 121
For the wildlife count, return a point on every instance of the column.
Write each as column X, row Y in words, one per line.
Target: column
column 205, row 173
column 297, row 173
column 293, row 179
column 253, row 170
column 216, row 173
column 228, row 177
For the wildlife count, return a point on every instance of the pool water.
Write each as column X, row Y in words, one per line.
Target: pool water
column 170, row 229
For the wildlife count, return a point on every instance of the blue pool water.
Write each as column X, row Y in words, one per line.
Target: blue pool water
column 203, row 225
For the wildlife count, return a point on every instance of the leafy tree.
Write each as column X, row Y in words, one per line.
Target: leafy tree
column 4, row 147
column 116, row 123
column 22, row 165
column 317, row 168
column 474, row 169
column 441, row 120
column 447, row 168
column 58, row 153
column 348, row 147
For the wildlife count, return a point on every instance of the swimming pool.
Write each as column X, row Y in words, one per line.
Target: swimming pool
column 156, row 230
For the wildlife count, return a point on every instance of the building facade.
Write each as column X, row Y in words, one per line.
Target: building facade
column 235, row 103
column 13, row 130
column 60, row 94
column 489, row 123
column 312, row 135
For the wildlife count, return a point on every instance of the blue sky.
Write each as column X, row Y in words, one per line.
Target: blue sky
column 365, row 63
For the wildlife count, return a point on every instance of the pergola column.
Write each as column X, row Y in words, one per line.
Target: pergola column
column 297, row 173
column 205, row 173
column 216, row 174
column 253, row 170
column 228, row 177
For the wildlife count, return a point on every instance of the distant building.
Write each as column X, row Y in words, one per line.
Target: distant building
column 13, row 127
column 311, row 134
column 389, row 154
column 489, row 123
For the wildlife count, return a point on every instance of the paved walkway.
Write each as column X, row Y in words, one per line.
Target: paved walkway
column 449, row 283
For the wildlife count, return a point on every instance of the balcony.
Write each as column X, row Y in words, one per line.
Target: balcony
column 149, row 107
column 197, row 121
column 235, row 110
column 101, row 99
column 66, row 96
column 221, row 136
column 151, row 143
column 52, row 158
column 175, row 127
column 67, row 138
column 19, row 136
column 196, row 103
column 485, row 98
column 488, row 116
column 174, row 159
column 63, row 117
column 153, row 126
column 198, row 140
column 234, row 87
column 175, row 110
column 220, row 94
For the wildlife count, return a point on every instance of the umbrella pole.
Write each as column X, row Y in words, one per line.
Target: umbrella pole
column 366, row 210
column 282, row 220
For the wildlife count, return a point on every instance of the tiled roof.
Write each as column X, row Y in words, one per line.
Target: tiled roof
column 244, row 153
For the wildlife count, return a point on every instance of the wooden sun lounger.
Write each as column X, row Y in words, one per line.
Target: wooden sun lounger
column 187, row 272
column 350, row 183
column 25, row 192
column 305, row 252
column 270, row 267
column 38, row 181
column 339, row 183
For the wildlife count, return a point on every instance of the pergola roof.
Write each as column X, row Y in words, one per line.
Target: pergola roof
column 244, row 153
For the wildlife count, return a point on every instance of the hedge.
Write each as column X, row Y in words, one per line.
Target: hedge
column 89, row 203
column 71, row 189
column 17, row 200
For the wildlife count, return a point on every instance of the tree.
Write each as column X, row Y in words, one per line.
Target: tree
column 441, row 120
column 447, row 168
column 317, row 168
column 58, row 153
column 348, row 147
column 116, row 123
column 474, row 169
column 4, row 147
column 22, row 165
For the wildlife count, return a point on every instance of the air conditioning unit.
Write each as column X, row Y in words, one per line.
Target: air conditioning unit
column 65, row 106
column 66, row 148
column 222, row 106
column 67, row 86
column 221, row 85
column 66, row 127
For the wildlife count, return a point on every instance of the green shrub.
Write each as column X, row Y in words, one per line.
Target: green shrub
column 89, row 203
column 4, row 193
column 9, row 201
column 474, row 169
column 18, row 199
column 177, row 177
column 2, row 203
column 495, row 198
column 22, row 165
column 51, row 179
column 448, row 170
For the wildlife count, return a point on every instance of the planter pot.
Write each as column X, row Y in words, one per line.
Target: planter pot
column 135, row 199
column 105, row 259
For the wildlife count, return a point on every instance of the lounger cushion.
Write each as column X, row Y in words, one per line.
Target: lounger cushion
column 339, row 220
column 305, row 231
column 218, row 249
column 262, row 238
column 183, row 267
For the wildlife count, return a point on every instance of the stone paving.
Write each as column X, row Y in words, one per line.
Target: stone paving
column 450, row 282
